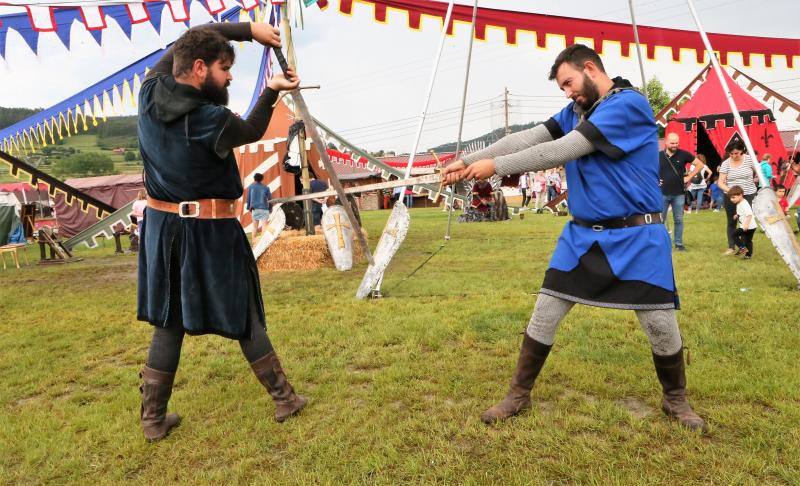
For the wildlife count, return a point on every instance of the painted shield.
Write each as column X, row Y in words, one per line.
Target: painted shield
column 339, row 235
column 273, row 228
column 770, row 216
column 393, row 235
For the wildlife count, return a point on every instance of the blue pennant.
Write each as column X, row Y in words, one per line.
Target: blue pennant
column 120, row 15
column 64, row 19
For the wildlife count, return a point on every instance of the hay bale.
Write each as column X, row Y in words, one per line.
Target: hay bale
column 294, row 250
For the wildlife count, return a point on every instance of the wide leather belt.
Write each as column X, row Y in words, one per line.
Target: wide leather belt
column 200, row 209
column 617, row 223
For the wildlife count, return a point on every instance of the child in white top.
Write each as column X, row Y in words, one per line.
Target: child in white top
column 746, row 222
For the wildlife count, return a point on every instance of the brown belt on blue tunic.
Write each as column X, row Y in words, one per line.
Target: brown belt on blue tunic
column 617, row 223
column 200, row 209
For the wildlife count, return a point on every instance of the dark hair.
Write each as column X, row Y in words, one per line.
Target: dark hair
column 258, row 177
column 736, row 191
column 577, row 55
column 199, row 43
column 736, row 145
column 778, row 187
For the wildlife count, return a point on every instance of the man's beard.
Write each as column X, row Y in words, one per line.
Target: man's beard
column 216, row 94
column 589, row 93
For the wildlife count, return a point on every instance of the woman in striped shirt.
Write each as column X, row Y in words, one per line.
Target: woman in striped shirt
column 737, row 170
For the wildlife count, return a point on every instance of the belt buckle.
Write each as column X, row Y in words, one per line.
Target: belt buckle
column 184, row 204
column 648, row 218
column 597, row 227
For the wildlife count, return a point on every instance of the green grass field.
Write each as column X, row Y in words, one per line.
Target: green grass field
column 396, row 385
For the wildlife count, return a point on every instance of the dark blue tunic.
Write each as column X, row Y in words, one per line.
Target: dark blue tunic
column 200, row 273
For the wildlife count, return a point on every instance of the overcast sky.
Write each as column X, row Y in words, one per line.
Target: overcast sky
column 374, row 76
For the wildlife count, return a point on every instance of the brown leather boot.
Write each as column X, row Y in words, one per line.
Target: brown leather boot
column 671, row 372
column 156, row 389
column 269, row 372
column 532, row 355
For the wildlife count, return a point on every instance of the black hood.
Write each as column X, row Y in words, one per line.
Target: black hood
column 621, row 83
column 173, row 100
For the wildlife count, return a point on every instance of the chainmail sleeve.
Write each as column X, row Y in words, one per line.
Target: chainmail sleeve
column 512, row 143
column 546, row 155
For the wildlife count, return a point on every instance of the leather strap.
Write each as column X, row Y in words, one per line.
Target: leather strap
column 618, row 223
column 200, row 209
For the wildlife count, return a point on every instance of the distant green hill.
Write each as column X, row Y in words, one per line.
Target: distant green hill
column 10, row 116
column 486, row 139
column 114, row 133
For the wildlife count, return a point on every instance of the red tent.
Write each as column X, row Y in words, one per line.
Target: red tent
column 706, row 125
column 114, row 190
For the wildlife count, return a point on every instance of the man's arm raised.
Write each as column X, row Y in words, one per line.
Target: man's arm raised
column 233, row 31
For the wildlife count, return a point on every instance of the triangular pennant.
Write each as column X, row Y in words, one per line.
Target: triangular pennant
column 155, row 9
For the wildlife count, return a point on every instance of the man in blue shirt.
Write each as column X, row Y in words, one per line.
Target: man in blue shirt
column 258, row 196
column 615, row 252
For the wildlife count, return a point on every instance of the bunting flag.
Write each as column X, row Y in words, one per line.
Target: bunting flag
column 95, row 15
column 95, row 103
column 602, row 34
column 74, row 115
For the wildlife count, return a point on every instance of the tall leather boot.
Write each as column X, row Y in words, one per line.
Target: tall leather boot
column 671, row 372
column 156, row 389
column 269, row 372
column 532, row 356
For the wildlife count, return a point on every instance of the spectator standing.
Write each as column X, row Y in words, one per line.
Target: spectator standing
column 717, row 196
column 737, row 170
column 524, row 185
column 540, row 188
column 258, row 196
column 553, row 183
column 766, row 169
column 672, row 172
column 746, row 222
column 698, row 185
column 780, row 193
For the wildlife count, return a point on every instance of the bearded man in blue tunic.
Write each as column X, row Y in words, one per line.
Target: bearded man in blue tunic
column 197, row 274
column 615, row 252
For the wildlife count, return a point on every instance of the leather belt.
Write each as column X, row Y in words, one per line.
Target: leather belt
column 617, row 223
column 200, row 209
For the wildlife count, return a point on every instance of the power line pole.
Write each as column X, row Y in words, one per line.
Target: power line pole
column 505, row 104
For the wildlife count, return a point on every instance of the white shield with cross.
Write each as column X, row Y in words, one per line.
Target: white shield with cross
column 393, row 235
column 275, row 225
column 339, row 235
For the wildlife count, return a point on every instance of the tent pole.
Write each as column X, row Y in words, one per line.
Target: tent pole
column 638, row 47
column 454, row 187
column 728, row 95
column 430, row 89
column 765, row 205
column 376, row 291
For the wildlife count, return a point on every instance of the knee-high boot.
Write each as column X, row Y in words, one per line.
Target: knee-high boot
column 671, row 371
column 156, row 389
column 532, row 356
column 269, row 372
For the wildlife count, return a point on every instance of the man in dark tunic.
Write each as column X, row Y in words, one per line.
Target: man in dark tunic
column 615, row 253
column 197, row 274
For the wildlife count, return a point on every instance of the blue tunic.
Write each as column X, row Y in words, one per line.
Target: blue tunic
column 629, row 268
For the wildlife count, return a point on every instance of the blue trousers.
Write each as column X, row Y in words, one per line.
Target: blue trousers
column 697, row 199
column 677, row 203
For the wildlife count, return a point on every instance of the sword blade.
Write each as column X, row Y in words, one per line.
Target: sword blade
column 411, row 181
